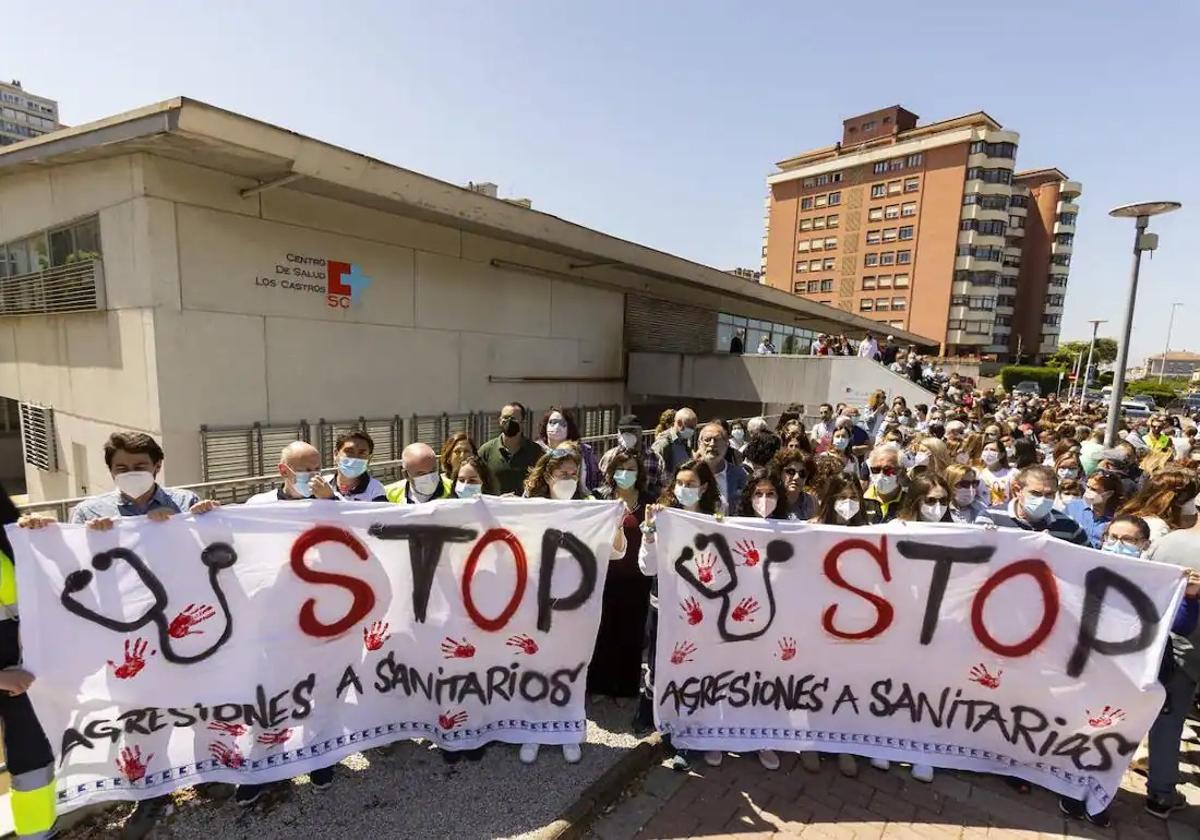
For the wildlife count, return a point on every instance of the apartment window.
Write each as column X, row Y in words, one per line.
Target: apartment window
column 887, row 258
column 878, row 190
column 826, row 285
column 871, row 259
column 1060, row 259
column 1016, row 222
column 835, row 198
column 873, row 237
column 989, row 175
column 912, row 184
column 830, row 244
column 986, row 202
column 885, row 281
column 866, row 305
column 814, row 286
column 1064, row 238
column 802, row 245
column 798, row 288
column 806, row 224
column 822, row 200
column 913, row 160
column 869, row 124
column 1018, row 201
column 892, row 211
column 836, row 177
column 814, row 265
column 875, row 214
column 880, row 167
column 883, row 304
column 831, row 221
column 901, row 281
column 1067, row 218
column 906, row 232
column 889, row 234
column 894, row 187
column 908, row 208
column 899, row 303
column 808, row 182
column 802, row 267
column 1054, row 300
column 806, row 203
column 1051, row 320
column 868, row 283
column 904, row 257
column 822, row 180
column 987, row 227
column 895, row 163
column 828, row 265
column 818, row 223
column 817, row 244
column 996, row 150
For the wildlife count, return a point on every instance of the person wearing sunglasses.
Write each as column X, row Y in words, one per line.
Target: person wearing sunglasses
column 793, row 469
column 927, row 500
column 966, row 507
column 884, row 495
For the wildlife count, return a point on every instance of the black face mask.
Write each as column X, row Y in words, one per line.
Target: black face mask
column 510, row 427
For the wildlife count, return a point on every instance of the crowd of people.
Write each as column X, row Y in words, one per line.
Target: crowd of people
column 982, row 458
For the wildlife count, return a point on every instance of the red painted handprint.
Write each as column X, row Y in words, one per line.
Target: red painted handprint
column 375, row 635
column 135, row 660
column 130, row 764
column 523, row 643
column 748, row 551
column 745, row 609
column 185, row 623
column 682, row 653
column 980, row 674
column 234, row 730
column 448, row 720
column 457, row 649
column 275, row 737
column 691, row 610
column 787, row 648
column 704, row 567
column 1106, row 717
column 230, row 756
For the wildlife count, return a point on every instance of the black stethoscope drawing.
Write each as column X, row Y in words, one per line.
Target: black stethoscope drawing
column 216, row 557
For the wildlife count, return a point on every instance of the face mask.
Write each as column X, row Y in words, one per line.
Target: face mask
column 841, row 442
column 425, row 485
column 906, row 420
column 1188, row 508
column 1011, row 451
column 564, row 488
column 933, row 513
column 764, row 506
column 1118, row 547
column 556, row 430
column 467, row 491
column 352, row 467
column 964, row 496
column 685, row 434
column 921, row 458
column 1066, row 500
column 1094, row 497
column 1038, row 508
column 1068, row 473
column 962, row 458
column 846, row 509
column 990, row 456
column 885, row 484
column 134, row 484
column 629, row 440
column 302, row 483
column 511, row 428
column 739, row 435
column 687, row 496
column 625, row 478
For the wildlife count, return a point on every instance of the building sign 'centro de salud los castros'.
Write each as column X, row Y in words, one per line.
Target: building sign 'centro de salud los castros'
column 341, row 283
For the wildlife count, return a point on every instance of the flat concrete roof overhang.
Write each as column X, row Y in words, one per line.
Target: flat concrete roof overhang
column 203, row 135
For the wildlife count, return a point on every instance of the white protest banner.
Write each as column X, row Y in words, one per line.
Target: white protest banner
column 956, row 646
column 252, row 644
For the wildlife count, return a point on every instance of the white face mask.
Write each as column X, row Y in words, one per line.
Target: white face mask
column 846, row 509
column 134, row 484
column 921, row 458
column 556, row 430
column 764, row 506
column 425, row 485
column 962, row 458
column 686, row 433
column 933, row 513
column 687, row 496
column 628, row 440
column 563, row 488
column 963, row 496
column 990, row 457
column 467, row 491
column 885, row 484
column 1188, row 508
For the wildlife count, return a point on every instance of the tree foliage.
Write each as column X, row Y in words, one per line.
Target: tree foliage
column 1068, row 352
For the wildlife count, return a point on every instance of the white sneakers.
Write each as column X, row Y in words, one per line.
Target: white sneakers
column 922, row 773
column 713, row 758
column 881, row 764
column 572, row 753
column 768, row 759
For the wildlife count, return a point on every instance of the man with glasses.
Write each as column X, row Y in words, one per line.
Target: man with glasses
column 1032, row 507
column 713, row 447
column 510, row 455
column 883, row 498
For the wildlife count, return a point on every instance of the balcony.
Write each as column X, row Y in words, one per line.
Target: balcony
column 1061, row 248
column 1070, row 189
column 77, row 287
column 1057, row 270
column 1018, row 211
column 974, row 237
column 974, row 211
column 964, row 337
column 1049, row 330
column 1061, row 227
column 1067, row 207
column 975, row 264
column 1016, row 231
column 1004, row 308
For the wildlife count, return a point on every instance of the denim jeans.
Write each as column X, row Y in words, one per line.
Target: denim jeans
column 1166, row 733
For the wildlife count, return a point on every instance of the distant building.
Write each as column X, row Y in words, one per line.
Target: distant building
column 23, row 115
column 1175, row 363
column 493, row 191
column 753, row 275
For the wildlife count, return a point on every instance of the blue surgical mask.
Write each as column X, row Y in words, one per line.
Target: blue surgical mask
column 467, row 491
column 302, row 483
column 625, row 478
column 1125, row 549
column 352, row 467
column 1038, row 507
column 687, row 496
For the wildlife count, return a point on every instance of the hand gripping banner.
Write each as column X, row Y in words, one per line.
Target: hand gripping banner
column 249, row 645
column 955, row 646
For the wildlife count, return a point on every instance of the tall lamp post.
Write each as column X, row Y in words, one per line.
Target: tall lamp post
column 1142, row 241
column 1087, row 371
column 1170, row 326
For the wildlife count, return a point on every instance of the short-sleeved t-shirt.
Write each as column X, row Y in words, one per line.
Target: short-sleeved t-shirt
column 1181, row 548
column 509, row 469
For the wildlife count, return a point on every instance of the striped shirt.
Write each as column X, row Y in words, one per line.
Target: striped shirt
column 1057, row 524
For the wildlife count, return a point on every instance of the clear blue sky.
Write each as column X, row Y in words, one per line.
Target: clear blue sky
column 660, row 121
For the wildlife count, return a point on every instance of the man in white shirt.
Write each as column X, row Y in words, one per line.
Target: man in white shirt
column 868, row 348
column 730, row 478
column 300, row 466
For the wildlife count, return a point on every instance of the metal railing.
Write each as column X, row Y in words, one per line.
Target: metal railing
column 77, row 287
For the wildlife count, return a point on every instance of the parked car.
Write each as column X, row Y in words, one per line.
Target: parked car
column 1130, row 408
column 1028, row 387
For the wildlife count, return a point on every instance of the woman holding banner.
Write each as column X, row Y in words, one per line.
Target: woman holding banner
column 695, row 489
column 792, row 469
column 966, row 508
column 928, row 500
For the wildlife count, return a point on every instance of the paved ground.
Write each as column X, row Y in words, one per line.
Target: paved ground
column 742, row 800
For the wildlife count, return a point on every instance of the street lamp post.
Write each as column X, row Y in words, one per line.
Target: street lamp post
column 1142, row 241
column 1170, row 326
column 1087, row 372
